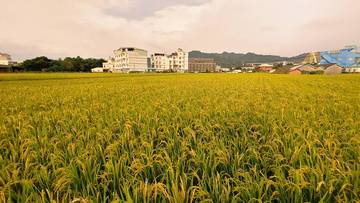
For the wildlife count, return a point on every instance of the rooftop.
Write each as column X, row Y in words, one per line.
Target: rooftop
column 159, row 54
column 129, row 49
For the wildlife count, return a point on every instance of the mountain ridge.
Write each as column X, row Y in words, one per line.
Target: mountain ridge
column 231, row 59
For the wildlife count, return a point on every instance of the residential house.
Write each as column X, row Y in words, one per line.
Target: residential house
column 265, row 68
column 332, row 69
column 177, row 61
column 160, row 62
column 294, row 71
column 307, row 68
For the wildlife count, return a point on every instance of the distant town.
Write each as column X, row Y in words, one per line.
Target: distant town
column 131, row 59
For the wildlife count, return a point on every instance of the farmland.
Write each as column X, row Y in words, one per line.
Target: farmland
column 179, row 138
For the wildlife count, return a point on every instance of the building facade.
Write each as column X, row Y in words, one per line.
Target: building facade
column 177, row 61
column 109, row 65
column 160, row 62
column 265, row 67
column 202, row 65
column 5, row 59
column 353, row 69
column 127, row 59
column 294, row 72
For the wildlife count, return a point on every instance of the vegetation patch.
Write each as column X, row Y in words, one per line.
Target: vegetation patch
column 179, row 138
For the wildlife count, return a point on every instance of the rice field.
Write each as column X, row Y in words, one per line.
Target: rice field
column 179, row 138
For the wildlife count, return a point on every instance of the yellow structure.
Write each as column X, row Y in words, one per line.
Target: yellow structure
column 312, row 58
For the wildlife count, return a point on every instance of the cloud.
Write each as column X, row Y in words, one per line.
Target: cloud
column 140, row 9
column 93, row 28
column 277, row 26
column 23, row 51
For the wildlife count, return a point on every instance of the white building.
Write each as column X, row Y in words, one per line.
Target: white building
column 127, row 59
column 225, row 70
column 109, row 65
column 97, row 70
column 5, row 59
column 177, row 61
column 248, row 69
column 237, row 71
column 218, row 68
column 353, row 69
column 160, row 62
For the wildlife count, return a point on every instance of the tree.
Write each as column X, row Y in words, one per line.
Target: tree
column 37, row 64
column 69, row 64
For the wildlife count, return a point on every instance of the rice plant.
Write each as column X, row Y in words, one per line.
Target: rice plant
column 179, row 138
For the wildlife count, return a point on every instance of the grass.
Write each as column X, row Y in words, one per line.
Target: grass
column 179, row 138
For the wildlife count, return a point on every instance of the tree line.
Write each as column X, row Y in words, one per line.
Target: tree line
column 68, row 64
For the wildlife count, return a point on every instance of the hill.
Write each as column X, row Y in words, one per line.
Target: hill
column 227, row 59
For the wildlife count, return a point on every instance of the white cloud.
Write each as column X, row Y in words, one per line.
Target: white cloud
column 84, row 27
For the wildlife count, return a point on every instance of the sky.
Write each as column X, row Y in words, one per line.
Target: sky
column 94, row 28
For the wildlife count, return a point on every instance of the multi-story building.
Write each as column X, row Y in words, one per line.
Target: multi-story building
column 160, row 62
column 127, row 59
column 202, row 65
column 177, row 61
column 5, row 59
column 109, row 65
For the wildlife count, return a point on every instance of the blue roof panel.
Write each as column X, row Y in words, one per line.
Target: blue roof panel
column 343, row 57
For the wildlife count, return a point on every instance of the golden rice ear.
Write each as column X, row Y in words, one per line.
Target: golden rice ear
column 179, row 138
